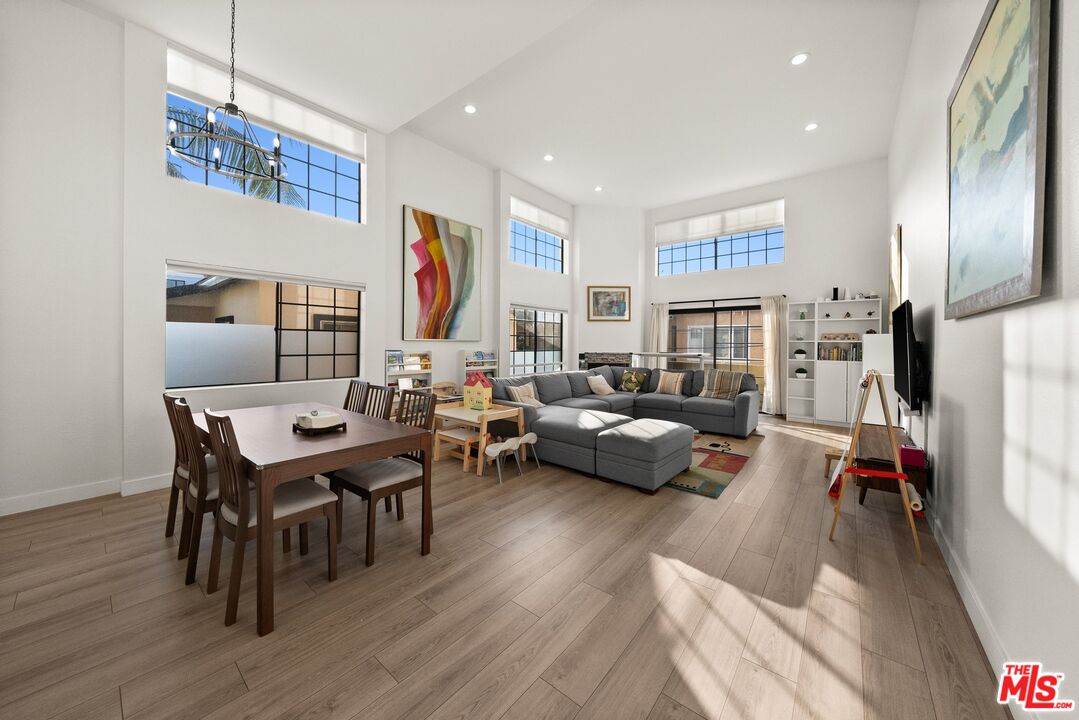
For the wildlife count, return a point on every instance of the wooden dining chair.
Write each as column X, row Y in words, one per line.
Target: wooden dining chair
column 356, row 396
column 295, row 503
column 201, row 486
column 391, row 476
column 378, row 401
column 179, row 483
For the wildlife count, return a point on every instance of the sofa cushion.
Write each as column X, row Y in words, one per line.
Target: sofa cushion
column 578, row 383
column 525, row 393
column 633, row 381
column 576, row 427
column 599, row 385
column 708, row 406
column 583, row 403
column 722, row 384
column 648, row 440
column 672, row 383
column 552, row 386
column 617, row 402
column 608, row 374
column 499, row 385
column 687, row 379
column 658, row 401
column 696, row 385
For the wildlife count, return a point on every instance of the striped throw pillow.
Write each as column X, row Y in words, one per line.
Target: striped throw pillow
column 670, row 383
column 722, row 384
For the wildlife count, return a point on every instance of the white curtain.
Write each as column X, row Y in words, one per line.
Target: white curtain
column 774, row 310
column 657, row 334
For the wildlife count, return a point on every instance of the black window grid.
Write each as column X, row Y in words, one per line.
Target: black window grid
column 306, row 188
column 723, row 252
column 553, row 250
column 546, row 335
column 334, row 312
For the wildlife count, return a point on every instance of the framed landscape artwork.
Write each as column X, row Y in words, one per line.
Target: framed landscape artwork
column 441, row 296
column 996, row 160
column 609, row 302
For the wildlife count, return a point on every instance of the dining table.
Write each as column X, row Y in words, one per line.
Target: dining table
column 273, row 454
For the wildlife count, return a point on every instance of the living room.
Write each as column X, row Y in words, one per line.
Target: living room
column 646, row 236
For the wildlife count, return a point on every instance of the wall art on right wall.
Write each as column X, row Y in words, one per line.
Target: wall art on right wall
column 996, row 160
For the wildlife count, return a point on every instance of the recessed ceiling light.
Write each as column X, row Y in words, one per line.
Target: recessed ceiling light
column 548, row 157
column 811, row 127
column 799, row 58
column 599, row 188
column 470, row 109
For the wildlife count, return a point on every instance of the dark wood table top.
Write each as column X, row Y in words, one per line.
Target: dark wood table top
column 266, row 438
column 873, row 443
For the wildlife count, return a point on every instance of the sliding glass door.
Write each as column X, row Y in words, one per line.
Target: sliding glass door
column 730, row 338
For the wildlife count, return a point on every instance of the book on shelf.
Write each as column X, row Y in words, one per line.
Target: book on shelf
column 852, row 354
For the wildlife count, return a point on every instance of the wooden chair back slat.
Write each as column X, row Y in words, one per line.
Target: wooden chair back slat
column 232, row 481
column 379, row 401
column 356, row 395
column 416, row 408
column 196, row 459
column 178, row 442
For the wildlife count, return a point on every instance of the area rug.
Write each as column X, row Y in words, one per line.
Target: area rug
column 717, row 459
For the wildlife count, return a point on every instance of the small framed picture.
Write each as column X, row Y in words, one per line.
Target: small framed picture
column 609, row 303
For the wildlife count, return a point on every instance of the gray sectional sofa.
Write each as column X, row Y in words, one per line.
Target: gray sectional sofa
column 579, row 429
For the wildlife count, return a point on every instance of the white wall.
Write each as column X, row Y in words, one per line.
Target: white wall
column 610, row 252
column 60, row 253
column 836, row 235
column 427, row 176
column 1002, row 424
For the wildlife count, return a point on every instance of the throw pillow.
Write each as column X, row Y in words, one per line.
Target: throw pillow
column 599, row 385
column 722, row 384
column 670, row 383
column 524, row 394
column 633, row 380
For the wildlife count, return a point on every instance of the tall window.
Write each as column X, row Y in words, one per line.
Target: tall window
column 759, row 247
column 535, row 340
column 317, row 180
column 731, row 338
column 532, row 246
column 222, row 330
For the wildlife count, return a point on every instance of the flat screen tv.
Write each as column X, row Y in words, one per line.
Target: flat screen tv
column 909, row 376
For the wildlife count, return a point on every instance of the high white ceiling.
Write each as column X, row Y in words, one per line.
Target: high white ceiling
column 656, row 100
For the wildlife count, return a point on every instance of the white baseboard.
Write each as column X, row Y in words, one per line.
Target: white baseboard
column 59, row 496
column 146, row 484
column 979, row 617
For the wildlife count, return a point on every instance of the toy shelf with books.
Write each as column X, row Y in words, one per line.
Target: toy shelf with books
column 485, row 361
column 408, row 370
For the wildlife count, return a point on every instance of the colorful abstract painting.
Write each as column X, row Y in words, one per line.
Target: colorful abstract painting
column 441, row 278
column 996, row 160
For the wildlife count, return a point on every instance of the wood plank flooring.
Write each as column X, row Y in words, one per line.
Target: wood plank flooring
column 552, row 596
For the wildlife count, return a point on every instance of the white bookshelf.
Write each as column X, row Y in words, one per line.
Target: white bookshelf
column 413, row 365
column 486, row 361
column 832, row 366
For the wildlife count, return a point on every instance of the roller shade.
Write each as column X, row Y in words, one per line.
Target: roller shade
column 208, row 83
column 725, row 222
column 538, row 217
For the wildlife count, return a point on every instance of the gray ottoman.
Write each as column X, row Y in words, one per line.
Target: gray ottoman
column 567, row 436
column 645, row 453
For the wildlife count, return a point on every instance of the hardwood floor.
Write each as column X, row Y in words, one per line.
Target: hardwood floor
column 551, row 596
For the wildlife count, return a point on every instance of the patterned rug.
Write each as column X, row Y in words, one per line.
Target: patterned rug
column 717, row 459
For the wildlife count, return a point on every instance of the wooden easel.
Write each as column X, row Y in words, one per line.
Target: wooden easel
column 873, row 377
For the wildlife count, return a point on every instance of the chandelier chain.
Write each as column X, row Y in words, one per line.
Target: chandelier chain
column 232, row 56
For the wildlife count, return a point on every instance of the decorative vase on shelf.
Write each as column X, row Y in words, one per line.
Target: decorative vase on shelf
column 802, row 315
column 799, row 354
column 801, row 373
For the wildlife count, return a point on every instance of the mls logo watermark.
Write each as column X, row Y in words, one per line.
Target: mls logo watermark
column 1026, row 684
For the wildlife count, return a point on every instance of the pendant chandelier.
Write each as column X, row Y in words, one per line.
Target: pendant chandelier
column 223, row 142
